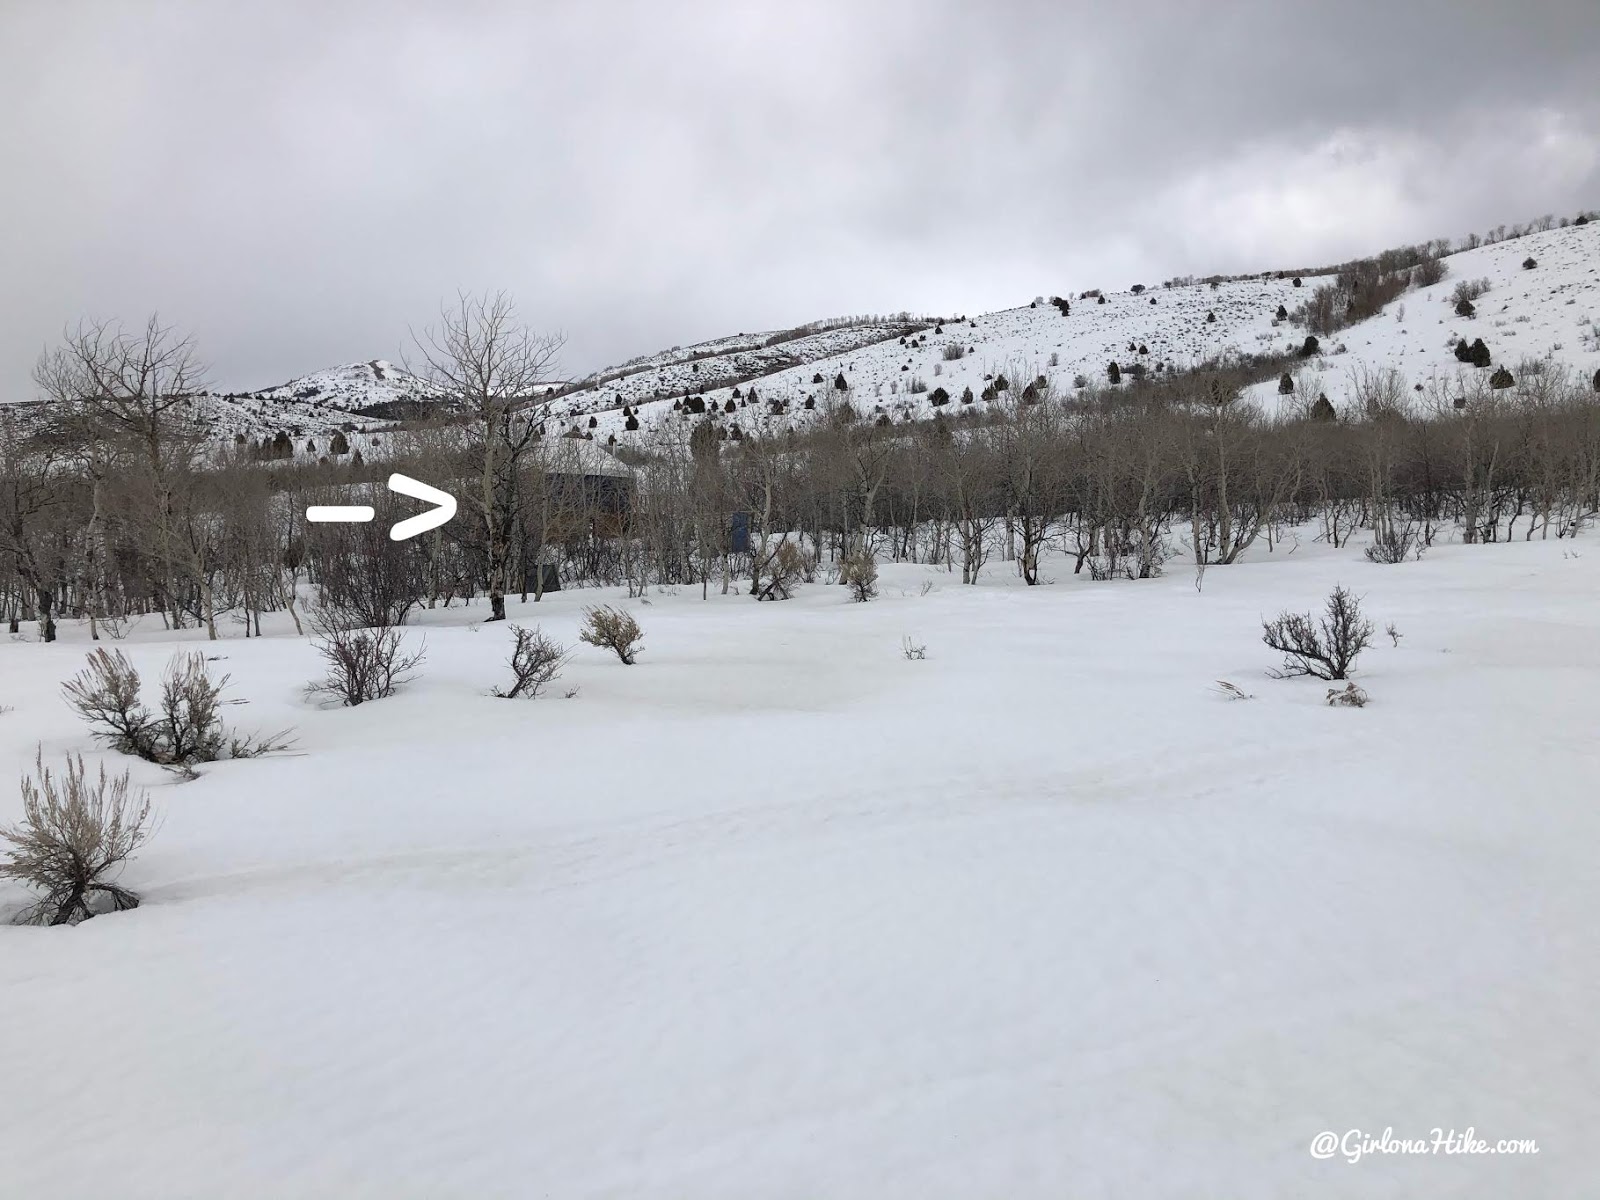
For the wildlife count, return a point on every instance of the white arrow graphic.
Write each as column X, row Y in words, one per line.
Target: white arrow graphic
column 411, row 526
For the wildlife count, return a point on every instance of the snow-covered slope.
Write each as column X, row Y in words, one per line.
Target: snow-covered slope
column 1173, row 327
column 353, row 387
column 894, row 366
column 1545, row 313
column 724, row 363
column 366, row 395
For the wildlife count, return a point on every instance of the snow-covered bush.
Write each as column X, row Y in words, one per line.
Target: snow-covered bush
column 74, row 837
column 1325, row 650
column 535, row 662
column 185, row 729
column 612, row 629
column 1469, row 290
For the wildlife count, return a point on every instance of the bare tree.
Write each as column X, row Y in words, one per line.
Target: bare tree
column 129, row 389
column 481, row 359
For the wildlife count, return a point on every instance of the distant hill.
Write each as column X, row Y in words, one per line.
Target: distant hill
column 902, row 367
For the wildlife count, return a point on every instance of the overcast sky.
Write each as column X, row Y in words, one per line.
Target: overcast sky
column 296, row 183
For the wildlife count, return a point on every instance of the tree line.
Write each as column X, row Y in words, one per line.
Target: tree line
column 113, row 505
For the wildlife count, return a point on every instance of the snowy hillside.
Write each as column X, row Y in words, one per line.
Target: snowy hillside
column 1158, row 329
column 354, row 388
column 367, row 395
column 1549, row 313
column 906, row 368
column 1545, row 312
column 723, row 363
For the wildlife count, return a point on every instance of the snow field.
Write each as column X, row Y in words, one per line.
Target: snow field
column 777, row 912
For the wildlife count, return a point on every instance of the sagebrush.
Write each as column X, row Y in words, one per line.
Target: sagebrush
column 76, row 834
column 859, row 572
column 185, row 728
column 612, row 629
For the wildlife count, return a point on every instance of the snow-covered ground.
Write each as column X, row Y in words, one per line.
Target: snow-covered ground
column 779, row 912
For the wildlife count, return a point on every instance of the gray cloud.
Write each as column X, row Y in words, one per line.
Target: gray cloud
column 295, row 183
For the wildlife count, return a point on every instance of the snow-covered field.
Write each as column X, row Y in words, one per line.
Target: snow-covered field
column 778, row 912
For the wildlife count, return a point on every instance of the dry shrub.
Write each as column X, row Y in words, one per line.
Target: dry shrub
column 612, row 629
column 363, row 664
column 371, row 580
column 1327, row 650
column 1428, row 272
column 1396, row 544
column 74, row 837
column 535, row 663
column 784, row 570
column 187, row 727
column 808, row 568
column 1349, row 696
column 106, row 695
column 860, row 574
